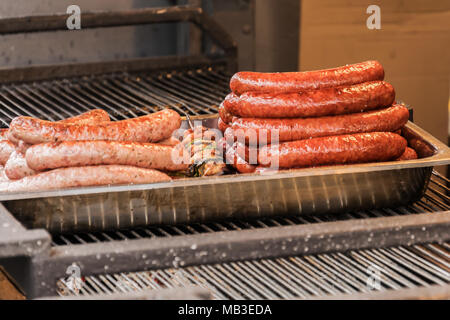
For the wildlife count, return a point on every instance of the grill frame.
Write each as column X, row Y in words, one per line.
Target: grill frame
column 323, row 276
column 105, row 19
column 45, row 264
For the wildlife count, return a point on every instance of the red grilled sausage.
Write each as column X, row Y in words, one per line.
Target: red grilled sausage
column 409, row 154
column 87, row 153
column 302, row 81
column 83, row 177
column 221, row 125
column 344, row 149
column 389, row 119
column 151, row 128
column 233, row 159
column 224, row 114
column 247, row 153
column 314, row 103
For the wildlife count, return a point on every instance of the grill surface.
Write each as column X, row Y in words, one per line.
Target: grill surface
column 293, row 277
column 123, row 96
column 304, row 276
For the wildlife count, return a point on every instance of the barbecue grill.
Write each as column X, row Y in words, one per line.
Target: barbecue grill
column 279, row 257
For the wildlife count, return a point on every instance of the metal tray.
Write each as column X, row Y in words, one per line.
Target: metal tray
column 330, row 189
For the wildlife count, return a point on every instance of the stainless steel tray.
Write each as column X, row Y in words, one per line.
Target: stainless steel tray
column 330, row 189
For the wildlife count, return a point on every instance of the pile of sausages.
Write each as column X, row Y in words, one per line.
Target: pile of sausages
column 302, row 119
column 87, row 150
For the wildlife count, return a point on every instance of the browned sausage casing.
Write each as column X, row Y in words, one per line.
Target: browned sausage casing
column 222, row 126
column 232, row 158
column 86, row 153
column 83, row 177
column 3, row 134
column 151, row 128
column 385, row 120
column 17, row 167
column 344, row 149
column 6, row 148
column 89, row 117
column 409, row 154
column 3, row 176
column 224, row 114
column 302, row 81
column 314, row 103
column 172, row 142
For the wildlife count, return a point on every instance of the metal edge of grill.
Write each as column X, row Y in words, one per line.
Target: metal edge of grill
column 377, row 230
column 358, row 273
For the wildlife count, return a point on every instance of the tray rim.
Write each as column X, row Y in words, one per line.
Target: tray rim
column 441, row 157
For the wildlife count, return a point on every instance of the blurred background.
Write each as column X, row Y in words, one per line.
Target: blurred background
column 413, row 43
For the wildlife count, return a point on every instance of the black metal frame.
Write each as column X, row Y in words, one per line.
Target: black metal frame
column 57, row 22
column 46, row 264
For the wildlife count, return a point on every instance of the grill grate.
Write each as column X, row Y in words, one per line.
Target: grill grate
column 293, row 277
column 434, row 200
column 123, row 96
column 307, row 276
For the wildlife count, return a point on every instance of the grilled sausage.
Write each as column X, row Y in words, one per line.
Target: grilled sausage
column 87, row 153
column 222, row 125
column 151, row 128
column 83, row 177
column 302, row 81
column 3, row 134
column 17, row 167
column 385, row 120
column 344, row 149
column 6, row 148
column 233, row 159
column 89, row 117
column 172, row 141
column 314, row 103
column 409, row 154
column 3, row 176
column 247, row 153
column 224, row 114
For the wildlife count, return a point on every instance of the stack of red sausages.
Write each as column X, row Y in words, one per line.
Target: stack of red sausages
column 326, row 117
column 87, row 150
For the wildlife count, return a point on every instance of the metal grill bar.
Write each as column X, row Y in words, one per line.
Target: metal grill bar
column 123, row 95
column 293, row 277
column 433, row 201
